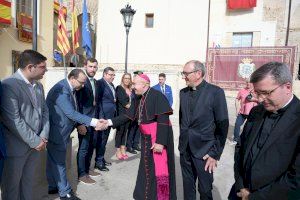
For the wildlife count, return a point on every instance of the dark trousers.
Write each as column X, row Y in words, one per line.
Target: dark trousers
column 193, row 168
column 102, row 138
column 1, row 167
column 85, row 153
column 133, row 138
column 240, row 119
column 121, row 135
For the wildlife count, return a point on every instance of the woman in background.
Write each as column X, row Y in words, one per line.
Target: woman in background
column 124, row 94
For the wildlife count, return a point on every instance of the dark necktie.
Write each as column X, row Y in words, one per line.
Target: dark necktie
column 163, row 89
column 75, row 100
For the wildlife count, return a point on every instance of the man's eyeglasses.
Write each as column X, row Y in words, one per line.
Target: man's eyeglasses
column 80, row 82
column 185, row 74
column 111, row 74
column 40, row 66
column 267, row 93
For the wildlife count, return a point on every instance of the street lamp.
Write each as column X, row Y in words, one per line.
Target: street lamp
column 127, row 13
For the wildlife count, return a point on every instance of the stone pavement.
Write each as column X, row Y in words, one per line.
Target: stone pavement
column 119, row 182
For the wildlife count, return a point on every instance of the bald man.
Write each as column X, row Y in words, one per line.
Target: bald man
column 156, row 175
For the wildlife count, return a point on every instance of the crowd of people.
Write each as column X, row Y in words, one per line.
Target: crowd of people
column 267, row 160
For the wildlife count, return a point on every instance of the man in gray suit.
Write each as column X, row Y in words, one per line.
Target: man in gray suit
column 25, row 119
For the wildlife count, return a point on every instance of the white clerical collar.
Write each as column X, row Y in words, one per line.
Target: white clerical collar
column 24, row 78
column 288, row 101
column 285, row 105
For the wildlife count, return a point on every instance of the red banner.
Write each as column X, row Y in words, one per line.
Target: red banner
column 228, row 67
column 241, row 4
column 25, row 27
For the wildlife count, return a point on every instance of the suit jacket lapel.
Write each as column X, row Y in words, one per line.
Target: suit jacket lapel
column 25, row 88
column 67, row 86
column 39, row 97
column 284, row 122
column 108, row 88
column 253, row 134
column 89, row 86
column 186, row 106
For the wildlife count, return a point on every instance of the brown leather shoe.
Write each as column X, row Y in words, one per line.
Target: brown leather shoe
column 93, row 173
column 86, row 179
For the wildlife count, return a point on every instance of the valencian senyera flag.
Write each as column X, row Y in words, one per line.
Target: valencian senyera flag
column 5, row 12
column 62, row 38
column 75, row 30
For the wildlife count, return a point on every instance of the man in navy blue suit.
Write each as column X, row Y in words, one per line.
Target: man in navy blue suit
column 107, row 110
column 164, row 88
column 64, row 117
column 2, row 144
column 87, row 104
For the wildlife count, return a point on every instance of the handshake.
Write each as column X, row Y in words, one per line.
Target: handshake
column 102, row 124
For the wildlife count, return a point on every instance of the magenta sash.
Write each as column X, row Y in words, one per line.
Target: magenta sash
column 160, row 163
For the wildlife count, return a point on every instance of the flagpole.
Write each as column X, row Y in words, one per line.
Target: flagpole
column 65, row 67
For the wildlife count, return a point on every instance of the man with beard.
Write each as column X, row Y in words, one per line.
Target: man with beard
column 156, row 175
column 87, row 105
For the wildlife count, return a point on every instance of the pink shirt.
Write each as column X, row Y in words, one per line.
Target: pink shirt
column 246, row 105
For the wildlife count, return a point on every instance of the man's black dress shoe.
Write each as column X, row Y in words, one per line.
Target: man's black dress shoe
column 70, row 196
column 106, row 163
column 130, row 150
column 137, row 148
column 102, row 168
column 53, row 191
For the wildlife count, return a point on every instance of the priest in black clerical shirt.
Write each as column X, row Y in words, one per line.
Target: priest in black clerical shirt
column 203, row 119
column 267, row 160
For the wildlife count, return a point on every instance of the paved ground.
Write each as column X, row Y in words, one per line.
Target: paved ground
column 119, row 182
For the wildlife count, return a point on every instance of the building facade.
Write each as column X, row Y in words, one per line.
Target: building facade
column 166, row 34
column 11, row 43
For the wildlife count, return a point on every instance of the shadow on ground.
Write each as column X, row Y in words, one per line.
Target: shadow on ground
column 119, row 182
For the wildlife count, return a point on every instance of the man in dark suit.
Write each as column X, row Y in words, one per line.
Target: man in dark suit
column 107, row 110
column 267, row 159
column 64, row 117
column 203, row 119
column 87, row 105
column 2, row 144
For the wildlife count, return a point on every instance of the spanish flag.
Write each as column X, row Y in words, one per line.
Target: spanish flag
column 5, row 12
column 75, row 30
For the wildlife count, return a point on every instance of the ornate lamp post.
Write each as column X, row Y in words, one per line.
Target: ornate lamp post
column 127, row 13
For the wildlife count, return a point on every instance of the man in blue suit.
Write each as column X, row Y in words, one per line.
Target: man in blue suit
column 2, row 145
column 87, row 104
column 64, row 117
column 107, row 110
column 164, row 88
